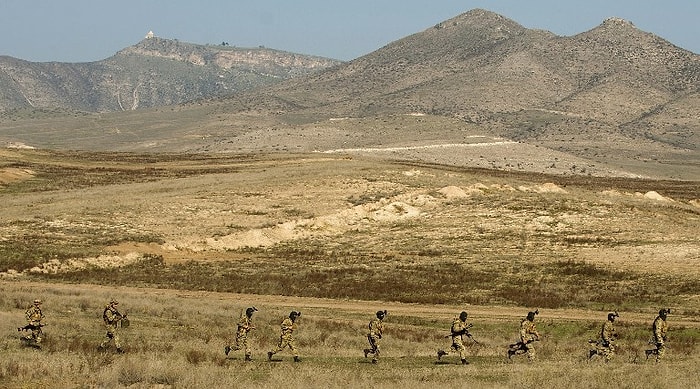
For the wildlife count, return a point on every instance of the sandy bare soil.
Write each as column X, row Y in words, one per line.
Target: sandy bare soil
column 243, row 211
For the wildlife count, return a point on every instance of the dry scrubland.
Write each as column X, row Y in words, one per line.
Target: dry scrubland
column 187, row 242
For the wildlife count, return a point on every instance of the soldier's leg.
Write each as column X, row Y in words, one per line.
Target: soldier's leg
column 660, row 351
column 530, row 352
column 280, row 346
column 107, row 339
column 240, row 340
column 607, row 356
column 293, row 348
column 458, row 346
column 463, row 353
column 248, row 350
column 36, row 334
column 117, row 340
column 377, row 351
column 373, row 344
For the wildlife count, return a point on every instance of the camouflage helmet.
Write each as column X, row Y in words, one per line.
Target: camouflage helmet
column 381, row 314
column 37, row 301
column 463, row 316
column 613, row 315
column 294, row 314
column 664, row 311
column 249, row 311
column 113, row 302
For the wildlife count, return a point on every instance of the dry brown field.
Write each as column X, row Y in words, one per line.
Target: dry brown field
column 186, row 242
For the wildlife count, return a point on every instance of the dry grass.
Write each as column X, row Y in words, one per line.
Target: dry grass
column 176, row 339
column 363, row 234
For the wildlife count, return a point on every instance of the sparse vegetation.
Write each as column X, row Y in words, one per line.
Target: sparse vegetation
column 339, row 244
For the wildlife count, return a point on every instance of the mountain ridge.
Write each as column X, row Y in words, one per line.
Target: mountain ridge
column 613, row 95
column 153, row 72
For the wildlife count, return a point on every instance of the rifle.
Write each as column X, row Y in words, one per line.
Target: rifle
column 465, row 331
column 475, row 341
column 31, row 327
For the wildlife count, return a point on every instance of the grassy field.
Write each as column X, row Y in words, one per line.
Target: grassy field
column 176, row 339
column 187, row 242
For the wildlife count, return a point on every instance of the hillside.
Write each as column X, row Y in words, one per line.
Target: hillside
column 154, row 72
column 476, row 90
column 185, row 242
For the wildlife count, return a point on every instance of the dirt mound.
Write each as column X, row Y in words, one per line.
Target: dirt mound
column 652, row 195
column 452, row 192
column 544, row 188
column 9, row 175
column 358, row 217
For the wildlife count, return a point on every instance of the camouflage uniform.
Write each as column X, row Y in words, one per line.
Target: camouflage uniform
column 112, row 319
column 459, row 329
column 605, row 347
column 34, row 316
column 528, row 334
column 659, row 330
column 376, row 328
column 286, row 338
column 245, row 324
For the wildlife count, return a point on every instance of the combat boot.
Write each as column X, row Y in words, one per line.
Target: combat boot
column 591, row 353
column 248, row 358
column 227, row 350
column 296, row 359
column 269, row 355
column 511, row 353
column 366, row 352
column 465, row 362
column 441, row 353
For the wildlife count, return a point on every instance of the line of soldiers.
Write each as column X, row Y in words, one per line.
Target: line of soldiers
column 528, row 334
column 111, row 317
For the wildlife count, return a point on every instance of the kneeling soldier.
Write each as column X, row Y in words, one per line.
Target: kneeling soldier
column 605, row 346
column 528, row 334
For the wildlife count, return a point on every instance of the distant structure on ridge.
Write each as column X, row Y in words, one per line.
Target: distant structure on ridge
column 149, row 35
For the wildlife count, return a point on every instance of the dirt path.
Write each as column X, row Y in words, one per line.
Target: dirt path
column 484, row 313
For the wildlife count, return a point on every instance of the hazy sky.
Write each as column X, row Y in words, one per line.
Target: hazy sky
column 91, row 30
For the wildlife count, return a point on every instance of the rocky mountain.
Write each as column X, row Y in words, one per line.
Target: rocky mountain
column 154, row 72
column 612, row 100
column 613, row 86
column 481, row 63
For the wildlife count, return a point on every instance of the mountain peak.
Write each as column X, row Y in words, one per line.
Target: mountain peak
column 615, row 21
column 477, row 17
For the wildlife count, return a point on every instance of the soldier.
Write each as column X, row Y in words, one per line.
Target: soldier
column 376, row 327
column 658, row 332
column 245, row 324
column 34, row 316
column 113, row 320
column 286, row 338
column 459, row 329
column 605, row 346
column 528, row 334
